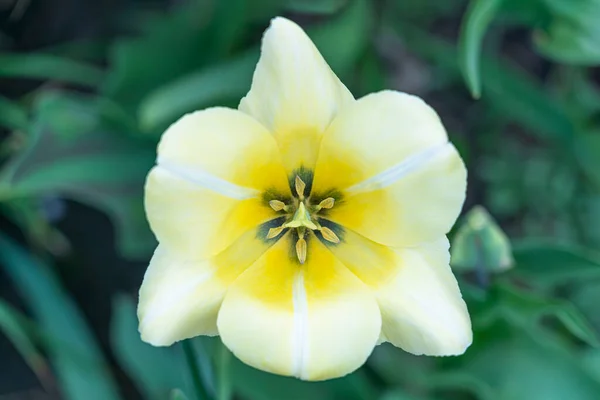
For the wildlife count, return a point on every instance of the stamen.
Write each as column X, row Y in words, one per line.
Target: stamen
column 273, row 232
column 326, row 203
column 329, row 235
column 300, row 187
column 277, row 205
column 301, row 249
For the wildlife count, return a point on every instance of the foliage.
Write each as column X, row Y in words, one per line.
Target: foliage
column 527, row 261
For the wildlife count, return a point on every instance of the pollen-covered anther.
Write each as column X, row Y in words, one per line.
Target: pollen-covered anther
column 326, row 203
column 329, row 235
column 300, row 187
column 278, row 205
column 301, row 249
column 274, row 232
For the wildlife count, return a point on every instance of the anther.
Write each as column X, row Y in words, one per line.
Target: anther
column 300, row 187
column 329, row 235
column 326, row 203
column 277, row 205
column 301, row 250
column 273, row 232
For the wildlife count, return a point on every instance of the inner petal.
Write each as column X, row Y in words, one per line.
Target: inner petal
column 305, row 317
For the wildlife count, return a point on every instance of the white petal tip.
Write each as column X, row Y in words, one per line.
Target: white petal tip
column 154, row 340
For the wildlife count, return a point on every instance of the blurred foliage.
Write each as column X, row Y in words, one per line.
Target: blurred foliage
column 527, row 263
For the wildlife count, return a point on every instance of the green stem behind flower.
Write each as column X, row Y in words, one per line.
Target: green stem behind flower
column 192, row 362
column 224, row 389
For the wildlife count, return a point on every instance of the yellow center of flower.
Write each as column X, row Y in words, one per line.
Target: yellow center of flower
column 303, row 216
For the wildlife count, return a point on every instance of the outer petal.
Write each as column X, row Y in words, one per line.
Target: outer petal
column 402, row 182
column 422, row 308
column 294, row 93
column 313, row 321
column 421, row 305
column 180, row 298
column 213, row 167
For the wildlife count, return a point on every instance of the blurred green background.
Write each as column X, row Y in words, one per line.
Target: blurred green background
column 87, row 87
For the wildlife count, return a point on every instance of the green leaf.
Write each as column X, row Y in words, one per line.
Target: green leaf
column 591, row 362
column 316, row 6
column 177, row 394
column 457, row 380
column 398, row 394
column 587, row 148
column 218, row 84
column 480, row 243
column 548, row 264
column 228, row 81
column 155, row 370
column 171, row 47
column 351, row 27
column 516, row 95
column 224, row 387
column 71, row 156
column 587, row 299
column 474, row 26
column 573, row 32
column 12, row 115
column 29, row 216
column 525, row 310
column 251, row 384
column 12, row 323
column 199, row 369
column 49, row 67
column 385, row 362
column 80, row 366
column 577, row 323
column 521, row 98
column 520, row 368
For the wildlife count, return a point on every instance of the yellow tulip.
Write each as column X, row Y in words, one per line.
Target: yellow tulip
column 306, row 227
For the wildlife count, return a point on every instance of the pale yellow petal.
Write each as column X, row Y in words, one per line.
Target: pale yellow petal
column 214, row 167
column 373, row 263
column 314, row 321
column 180, row 297
column 194, row 221
column 401, row 181
column 422, row 308
column 223, row 150
column 294, row 93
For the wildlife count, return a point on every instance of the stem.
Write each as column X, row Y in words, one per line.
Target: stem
column 224, row 391
column 190, row 358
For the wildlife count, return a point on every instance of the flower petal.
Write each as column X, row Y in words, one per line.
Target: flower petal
column 422, row 308
column 180, row 298
column 373, row 263
column 402, row 182
column 294, row 93
column 314, row 321
column 213, row 167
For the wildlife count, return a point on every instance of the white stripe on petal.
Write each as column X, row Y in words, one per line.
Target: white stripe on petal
column 300, row 333
column 208, row 181
column 400, row 170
